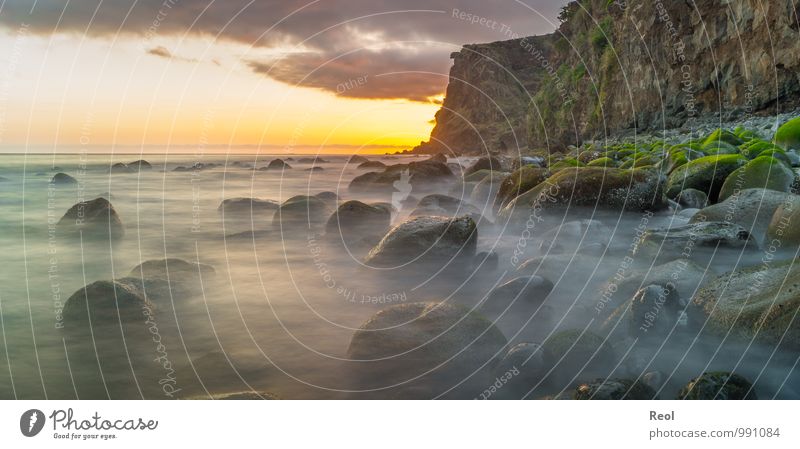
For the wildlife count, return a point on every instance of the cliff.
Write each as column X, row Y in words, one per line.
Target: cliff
column 615, row 67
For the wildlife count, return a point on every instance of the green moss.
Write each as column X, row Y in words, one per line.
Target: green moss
column 718, row 385
column 706, row 174
column 723, row 135
column 788, row 135
column 519, row 182
column 603, row 162
column 763, row 172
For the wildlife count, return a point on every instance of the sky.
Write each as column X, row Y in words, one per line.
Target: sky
column 299, row 76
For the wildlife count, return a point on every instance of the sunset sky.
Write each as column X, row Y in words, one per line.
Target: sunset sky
column 219, row 74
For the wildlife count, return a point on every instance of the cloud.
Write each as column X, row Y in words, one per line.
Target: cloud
column 326, row 42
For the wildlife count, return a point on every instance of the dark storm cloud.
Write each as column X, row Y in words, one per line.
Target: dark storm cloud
column 323, row 30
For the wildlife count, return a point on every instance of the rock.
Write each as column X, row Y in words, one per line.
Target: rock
column 63, row 178
column 426, row 238
column 372, row 164
column 688, row 213
column 94, row 219
column 751, row 209
column 572, row 352
column 706, row 174
column 574, row 235
column 355, row 222
column 614, row 389
column 682, row 274
column 692, row 198
column 484, row 193
column 718, row 385
column 523, row 161
column 530, row 290
column 651, row 313
column 617, row 189
column 197, row 166
column 248, row 396
column 484, row 163
column 439, row 157
column 486, row 261
column 140, row 165
column 519, row 182
column 441, row 341
column 300, row 212
column 277, row 164
column 356, row 159
column 557, row 266
column 314, row 169
column 173, row 270
column 480, row 175
column 108, row 303
column 443, row 205
column 330, row 198
column 246, row 206
column 119, row 167
column 525, row 362
column 311, row 160
column 763, row 172
column 412, row 174
column 788, row 135
column 678, row 240
column 784, row 225
column 755, row 304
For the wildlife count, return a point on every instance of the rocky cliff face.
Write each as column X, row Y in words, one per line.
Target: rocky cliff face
column 622, row 67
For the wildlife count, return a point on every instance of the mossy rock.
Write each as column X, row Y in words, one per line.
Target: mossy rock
column 720, row 147
column 614, row 389
column 565, row 163
column 784, row 227
column 718, row 385
column 723, row 135
column 788, row 135
column 480, row 174
column 706, row 174
column 572, row 351
column 754, row 304
column 754, row 149
column 763, row 172
column 519, row 182
column 777, row 153
column 610, row 188
column 602, row 162
column 640, row 161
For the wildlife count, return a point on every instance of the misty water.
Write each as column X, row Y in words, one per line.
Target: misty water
column 279, row 312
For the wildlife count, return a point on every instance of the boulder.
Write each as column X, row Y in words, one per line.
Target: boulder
column 372, row 164
column 526, row 290
column 763, row 172
column 300, row 212
column 573, row 352
column 119, row 167
column 608, row 188
column 783, row 230
column 751, row 209
column 105, row 303
column 443, row 205
column 443, row 342
column 692, row 199
column 173, row 270
column 356, row 159
column 63, row 178
column 718, row 385
column 519, row 182
column 276, row 164
column 329, row 198
column 676, row 241
column 426, row 238
column 755, row 303
column 93, row 219
column 413, row 174
column 439, row 157
column 614, row 389
column 484, row 163
column 140, row 165
column 651, row 313
column 311, row 160
column 246, row 206
column 788, row 135
column 484, row 192
column 480, row 175
column 355, row 222
column 706, row 174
